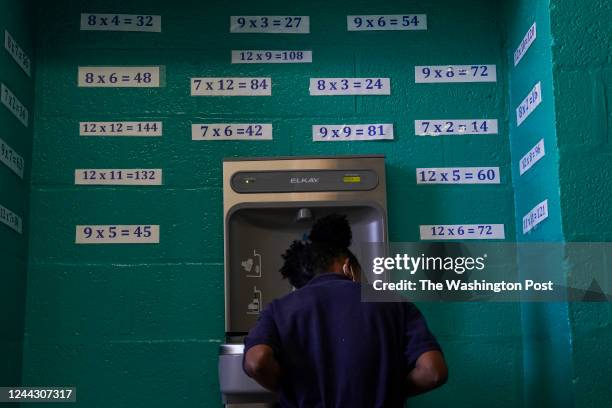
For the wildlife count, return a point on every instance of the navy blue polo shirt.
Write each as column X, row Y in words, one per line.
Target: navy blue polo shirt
column 337, row 351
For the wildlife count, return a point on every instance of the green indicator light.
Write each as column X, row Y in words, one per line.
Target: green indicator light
column 351, row 179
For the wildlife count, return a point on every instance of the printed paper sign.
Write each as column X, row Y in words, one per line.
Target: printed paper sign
column 462, row 231
column 380, row 22
column 14, row 105
column 119, row 77
column 10, row 219
column 270, row 24
column 338, row 133
column 11, row 159
column 236, row 86
column 529, row 104
column 441, row 127
column 271, row 56
column 537, row 214
column 140, row 129
column 350, row 86
column 231, row 131
column 120, row 22
column 457, row 175
column 532, row 157
column 424, row 74
column 117, row 234
column 18, row 54
column 118, row 177
column 529, row 38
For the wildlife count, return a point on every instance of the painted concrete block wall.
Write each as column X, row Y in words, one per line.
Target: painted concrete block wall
column 545, row 326
column 15, row 18
column 582, row 69
column 136, row 318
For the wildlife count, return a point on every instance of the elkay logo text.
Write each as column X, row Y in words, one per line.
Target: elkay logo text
column 304, row 180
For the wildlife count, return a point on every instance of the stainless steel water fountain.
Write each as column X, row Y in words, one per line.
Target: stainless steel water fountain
column 268, row 203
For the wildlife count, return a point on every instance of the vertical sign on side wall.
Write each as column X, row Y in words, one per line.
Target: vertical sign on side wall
column 531, row 101
column 11, row 159
column 528, row 39
column 14, row 105
column 10, row 219
column 18, row 54
column 532, row 157
column 537, row 214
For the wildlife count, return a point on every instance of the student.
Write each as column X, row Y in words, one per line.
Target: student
column 321, row 346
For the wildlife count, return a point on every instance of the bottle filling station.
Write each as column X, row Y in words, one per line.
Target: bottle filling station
column 268, row 203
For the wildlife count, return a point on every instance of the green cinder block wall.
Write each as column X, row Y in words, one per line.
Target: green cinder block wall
column 564, row 360
column 582, row 68
column 136, row 318
column 132, row 318
column 16, row 18
column 547, row 366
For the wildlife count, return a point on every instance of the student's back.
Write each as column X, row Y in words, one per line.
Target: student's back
column 336, row 351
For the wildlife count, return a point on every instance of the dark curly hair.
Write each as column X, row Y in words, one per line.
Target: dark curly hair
column 329, row 239
column 333, row 230
column 297, row 267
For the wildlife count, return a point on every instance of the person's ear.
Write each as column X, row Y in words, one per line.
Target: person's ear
column 347, row 270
